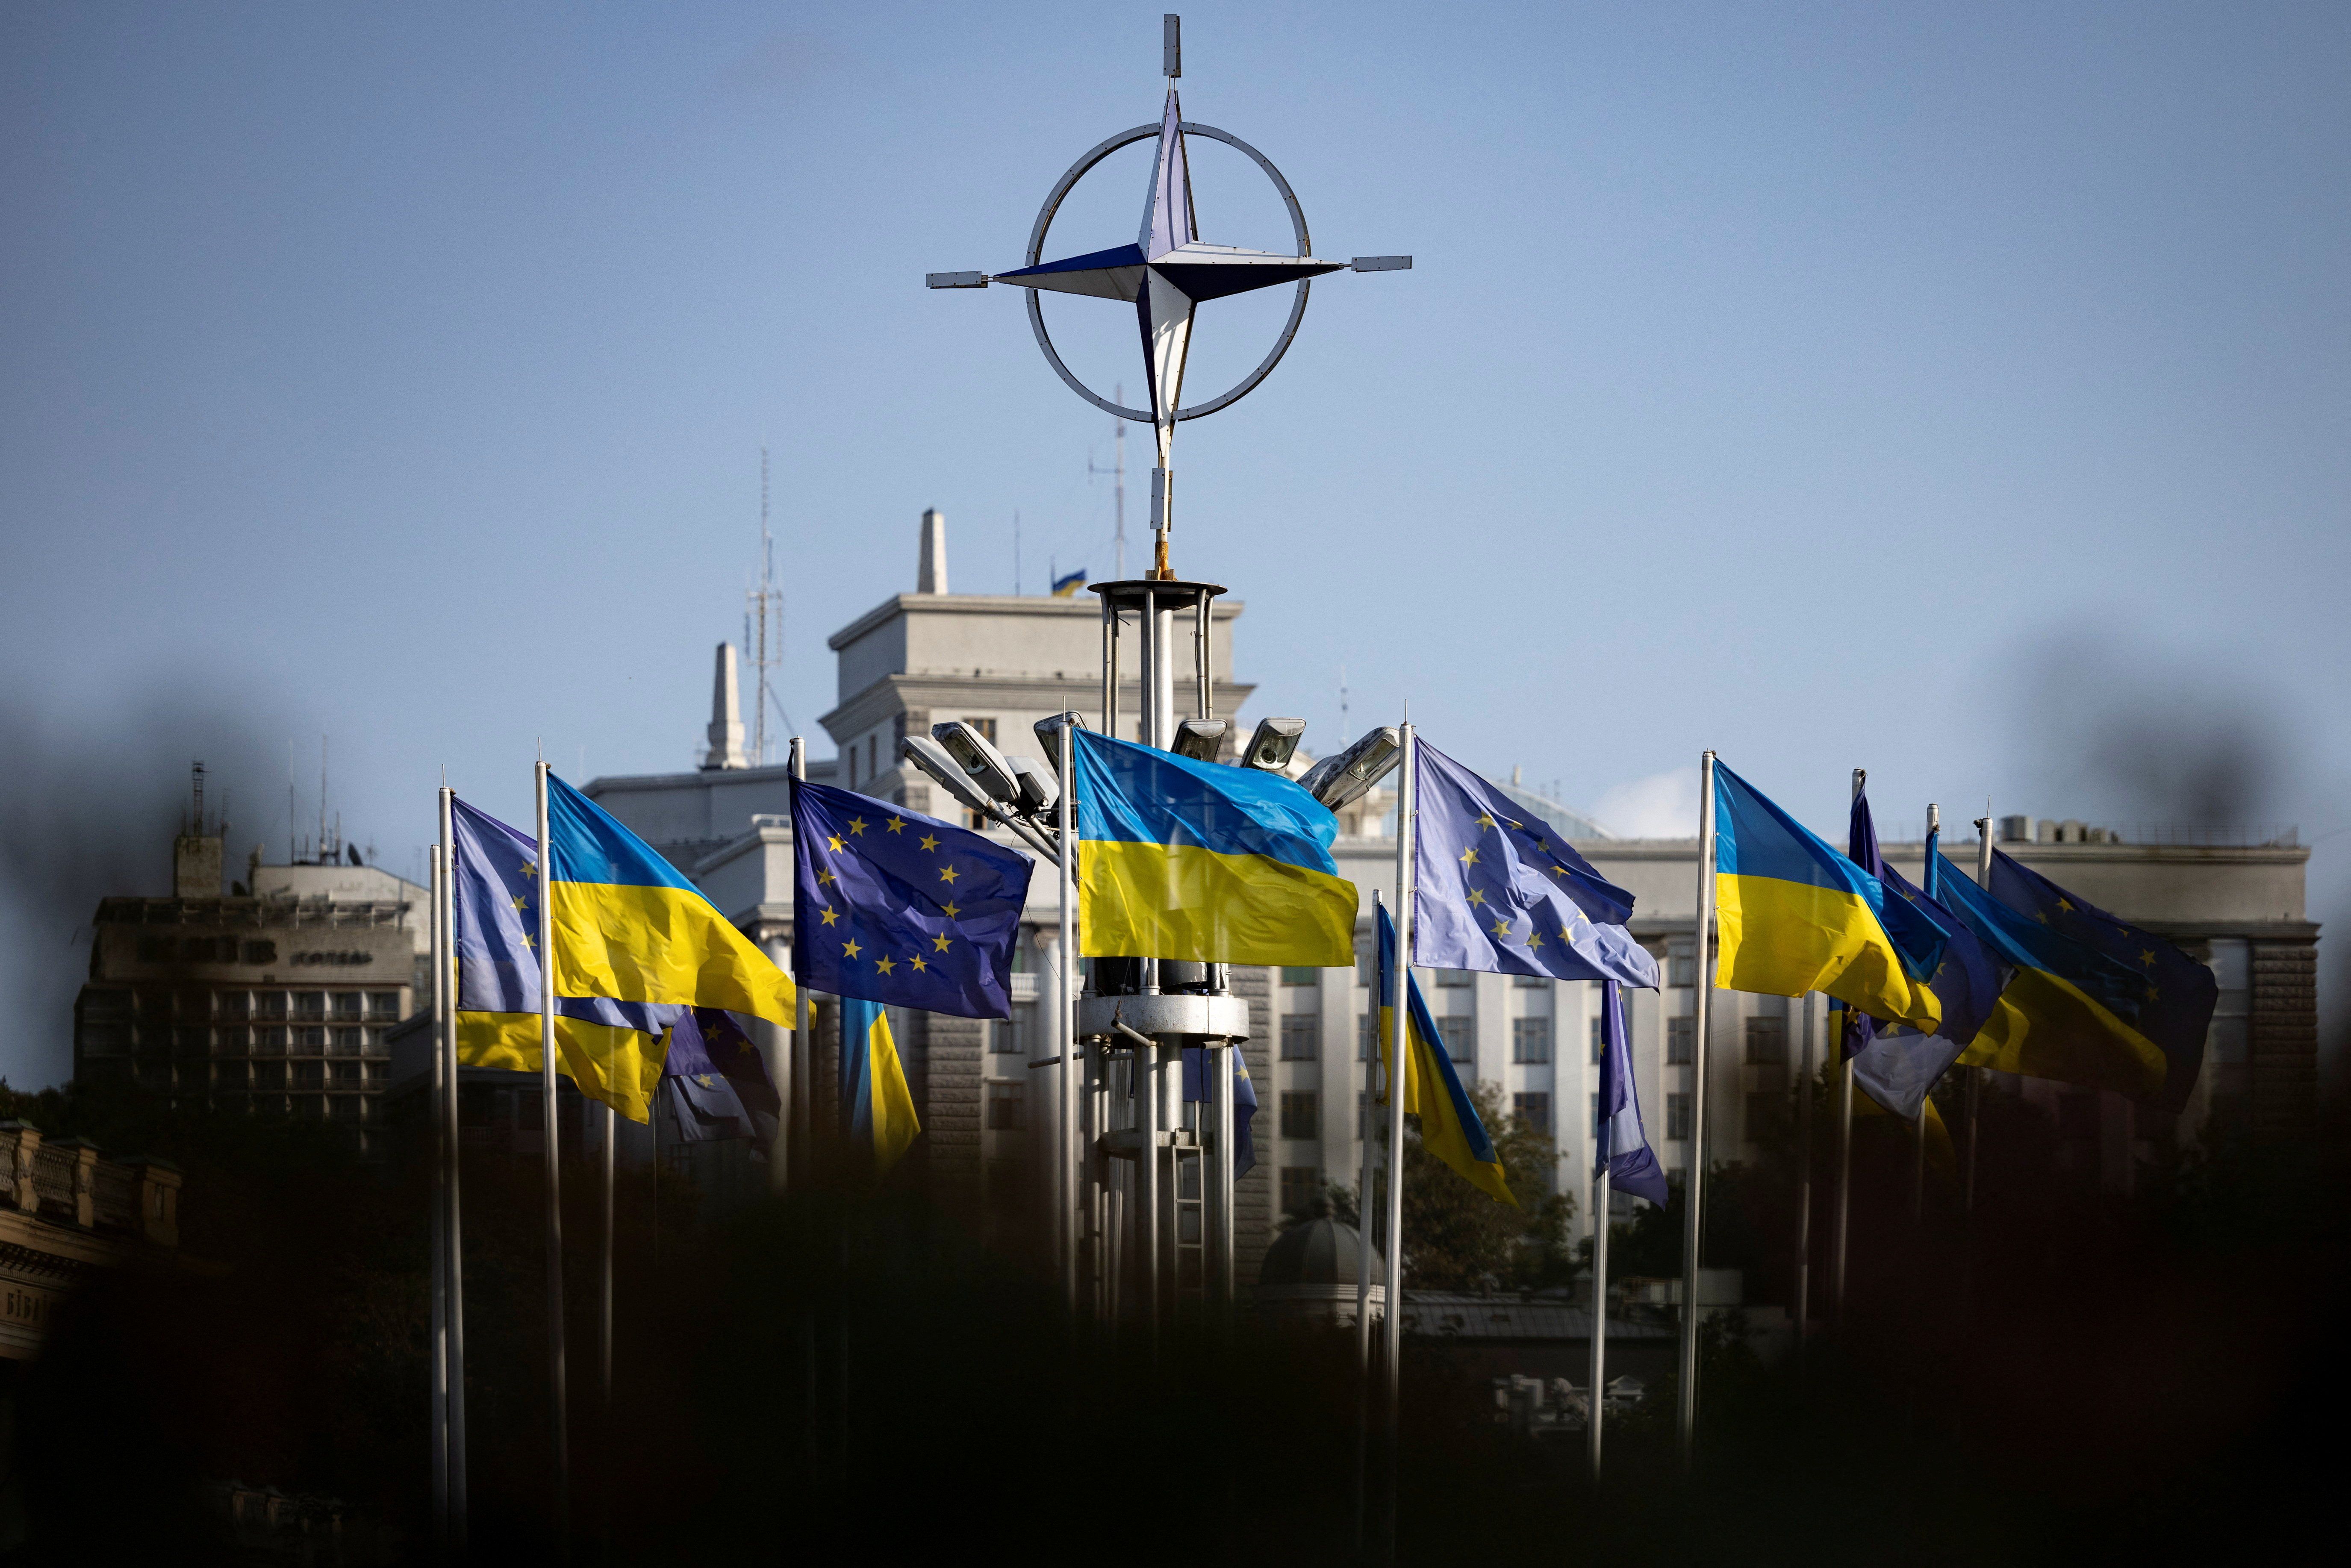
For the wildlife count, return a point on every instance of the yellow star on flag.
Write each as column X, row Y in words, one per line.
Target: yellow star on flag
column 916, row 962
column 834, row 841
column 823, row 878
column 1535, row 939
column 885, row 964
column 896, row 824
column 949, row 909
column 930, row 842
column 2147, row 956
column 1477, row 895
column 829, row 915
column 2066, row 905
column 520, row 902
column 947, row 874
column 852, row 949
column 1469, row 857
column 1502, row 928
column 528, row 942
column 940, row 943
column 1484, row 819
column 856, row 826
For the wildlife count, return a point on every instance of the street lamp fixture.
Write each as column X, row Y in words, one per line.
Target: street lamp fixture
column 1274, row 744
column 1343, row 779
column 1201, row 738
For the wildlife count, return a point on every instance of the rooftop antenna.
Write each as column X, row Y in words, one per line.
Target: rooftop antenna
column 197, row 772
column 1117, row 469
column 764, row 629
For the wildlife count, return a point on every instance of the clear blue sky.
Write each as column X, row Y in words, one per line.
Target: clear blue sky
column 1958, row 392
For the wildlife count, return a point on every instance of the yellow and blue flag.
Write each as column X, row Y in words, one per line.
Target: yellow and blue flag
column 613, row 1050
column 2174, row 994
column 877, row 1109
column 1067, row 586
column 1500, row 891
column 2072, row 1012
column 1450, row 1125
column 896, row 907
column 1898, row 1066
column 629, row 926
column 1794, row 916
column 1179, row 859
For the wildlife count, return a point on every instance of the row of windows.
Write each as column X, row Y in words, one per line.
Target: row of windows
column 1301, row 1114
column 241, row 1005
column 1445, row 978
column 1530, row 1038
column 266, row 1040
column 264, row 1074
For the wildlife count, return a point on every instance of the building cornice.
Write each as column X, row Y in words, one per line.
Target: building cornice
column 926, row 690
column 986, row 604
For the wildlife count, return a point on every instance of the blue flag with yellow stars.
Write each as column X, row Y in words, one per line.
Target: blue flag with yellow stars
column 891, row 906
column 1501, row 892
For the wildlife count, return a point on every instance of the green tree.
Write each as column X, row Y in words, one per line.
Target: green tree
column 1456, row 1238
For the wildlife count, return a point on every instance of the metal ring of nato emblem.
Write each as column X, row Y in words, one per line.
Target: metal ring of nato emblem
column 1036, row 254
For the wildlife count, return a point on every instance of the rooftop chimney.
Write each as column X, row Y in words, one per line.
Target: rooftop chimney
column 931, row 577
column 725, row 715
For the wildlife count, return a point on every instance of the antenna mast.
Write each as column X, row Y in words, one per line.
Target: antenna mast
column 766, row 604
column 1117, row 469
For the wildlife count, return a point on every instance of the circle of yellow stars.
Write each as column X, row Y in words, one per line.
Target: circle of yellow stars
column 852, row 949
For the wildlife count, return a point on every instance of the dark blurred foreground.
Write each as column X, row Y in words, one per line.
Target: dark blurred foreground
column 2150, row 1378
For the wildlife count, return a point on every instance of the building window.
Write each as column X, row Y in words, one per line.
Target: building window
column 1531, row 1041
column 1677, row 1116
column 1597, row 1045
column 1597, row 1130
column 1531, row 982
column 1301, row 1036
column 384, row 1004
column 1008, row 1107
column 1363, row 962
column 1681, row 1034
column 311, row 1004
column 270, row 1004
column 229, row 1074
column 1534, row 1109
column 1300, row 975
column 261, row 952
column 309, row 1074
column 987, row 727
column 1302, row 1117
column 1300, row 1186
column 235, row 1004
column 270, row 1040
column 1455, row 977
column 1460, row 1033
column 1681, row 963
column 1007, row 1037
column 347, row 1042
column 1367, row 1037
column 347, row 1004
column 1766, row 1042
column 346, row 1074
column 310, row 1039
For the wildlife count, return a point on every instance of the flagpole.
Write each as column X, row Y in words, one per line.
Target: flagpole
column 797, row 1088
column 1803, row 1291
column 1976, row 1074
column 1065, row 1025
column 440, row 1358
column 546, row 1085
column 1844, row 1137
column 1365, row 1215
column 1399, row 1074
column 444, row 1047
column 1693, row 1184
column 604, row 1320
column 1599, row 1302
column 1918, row 1171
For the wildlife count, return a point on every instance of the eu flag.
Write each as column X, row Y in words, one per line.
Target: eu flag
column 1901, row 1064
column 715, row 1080
column 891, row 906
column 1501, row 892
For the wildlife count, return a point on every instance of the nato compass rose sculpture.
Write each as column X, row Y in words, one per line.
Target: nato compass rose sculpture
column 1166, row 275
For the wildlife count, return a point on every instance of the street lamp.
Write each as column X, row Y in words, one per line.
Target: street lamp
column 1201, row 738
column 933, row 760
column 1343, row 779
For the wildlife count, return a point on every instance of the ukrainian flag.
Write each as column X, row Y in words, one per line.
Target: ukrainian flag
column 877, row 1109
column 1179, row 859
column 613, row 1050
column 1449, row 1126
column 2068, row 1012
column 628, row 925
column 1794, row 916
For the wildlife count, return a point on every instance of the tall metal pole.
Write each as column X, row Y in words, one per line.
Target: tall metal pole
column 1399, row 1078
column 444, row 1047
column 1599, row 1376
column 1976, row 1074
column 797, row 1089
column 439, row 1378
column 1844, row 1133
column 1366, row 1216
column 1066, row 1149
column 1142, row 1076
column 1693, row 1184
column 1918, row 1170
column 558, row 1406
column 604, row 1314
column 1803, row 1291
